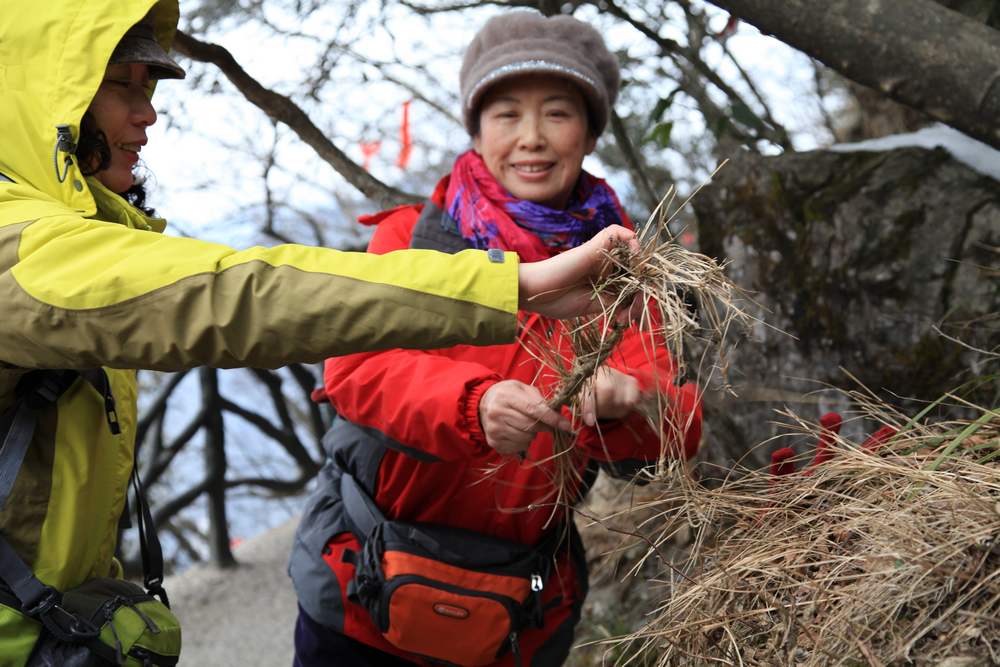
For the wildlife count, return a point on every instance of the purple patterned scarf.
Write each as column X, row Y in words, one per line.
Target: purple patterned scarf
column 490, row 217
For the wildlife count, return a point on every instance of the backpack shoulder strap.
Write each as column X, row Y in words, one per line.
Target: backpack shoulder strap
column 361, row 509
column 149, row 541
column 435, row 230
column 36, row 391
column 18, row 576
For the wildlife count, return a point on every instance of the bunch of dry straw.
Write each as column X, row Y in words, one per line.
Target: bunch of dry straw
column 686, row 304
column 891, row 557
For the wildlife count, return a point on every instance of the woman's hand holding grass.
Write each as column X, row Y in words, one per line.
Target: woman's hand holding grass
column 561, row 286
column 512, row 413
column 611, row 395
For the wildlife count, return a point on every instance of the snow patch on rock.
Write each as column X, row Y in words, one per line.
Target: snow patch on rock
column 978, row 156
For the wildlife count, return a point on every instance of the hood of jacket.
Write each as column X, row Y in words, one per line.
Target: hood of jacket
column 53, row 55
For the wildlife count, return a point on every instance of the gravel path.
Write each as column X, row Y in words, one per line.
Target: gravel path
column 243, row 617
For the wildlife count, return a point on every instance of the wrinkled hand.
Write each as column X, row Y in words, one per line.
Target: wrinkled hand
column 561, row 286
column 513, row 413
column 611, row 395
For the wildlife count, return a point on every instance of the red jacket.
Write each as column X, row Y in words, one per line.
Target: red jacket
column 428, row 401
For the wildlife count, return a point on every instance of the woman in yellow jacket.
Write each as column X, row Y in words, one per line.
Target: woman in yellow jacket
column 87, row 280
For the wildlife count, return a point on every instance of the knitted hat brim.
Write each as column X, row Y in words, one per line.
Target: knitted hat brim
column 537, row 60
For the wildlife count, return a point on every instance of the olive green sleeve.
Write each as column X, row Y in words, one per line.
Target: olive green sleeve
column 82, row 293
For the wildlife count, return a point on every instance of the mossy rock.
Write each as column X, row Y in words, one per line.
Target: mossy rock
column 861, row 259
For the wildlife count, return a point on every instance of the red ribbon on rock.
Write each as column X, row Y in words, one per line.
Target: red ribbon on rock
column 830, row 423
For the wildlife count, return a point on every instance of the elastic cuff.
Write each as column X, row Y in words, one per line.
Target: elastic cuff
column 470, row 411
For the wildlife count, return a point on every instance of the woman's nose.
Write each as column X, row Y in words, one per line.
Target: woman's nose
column 531, row 135
column 143, row 112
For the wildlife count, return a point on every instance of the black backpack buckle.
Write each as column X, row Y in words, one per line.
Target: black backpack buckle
column 40, row 389
column 47, row 600
column 154, row 588
column 64, row 625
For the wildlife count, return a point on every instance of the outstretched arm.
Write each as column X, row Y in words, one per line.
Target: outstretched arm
column 80, row 293
column 561, row 286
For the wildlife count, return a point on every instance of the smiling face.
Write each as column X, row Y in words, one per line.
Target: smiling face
column 122, row 111
column 533, row 136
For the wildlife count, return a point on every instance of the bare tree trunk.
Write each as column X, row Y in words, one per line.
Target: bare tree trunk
column 215, row 467
column 916, row 52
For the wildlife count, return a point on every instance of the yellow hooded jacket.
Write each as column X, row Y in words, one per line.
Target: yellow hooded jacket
column 86, row 281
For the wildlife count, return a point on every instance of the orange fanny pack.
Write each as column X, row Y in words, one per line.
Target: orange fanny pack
column 444, row 593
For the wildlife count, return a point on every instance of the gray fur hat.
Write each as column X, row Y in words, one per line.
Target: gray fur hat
column 526, row 42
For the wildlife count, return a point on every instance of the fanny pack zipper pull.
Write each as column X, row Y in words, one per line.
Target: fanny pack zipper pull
column 150, row 625
column 111, row 411
column 538, row 613
column 515, row 648
column 119, row 656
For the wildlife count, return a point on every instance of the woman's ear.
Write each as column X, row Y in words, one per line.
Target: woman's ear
column 590, row 144
column 477, row 143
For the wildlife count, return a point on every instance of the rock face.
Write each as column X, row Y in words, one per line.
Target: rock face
column 855, row 257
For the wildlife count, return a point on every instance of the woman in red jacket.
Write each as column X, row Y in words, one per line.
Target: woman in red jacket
column 418, row 430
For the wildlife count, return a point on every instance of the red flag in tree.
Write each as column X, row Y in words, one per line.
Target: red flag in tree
column 369, row 149
column 405, row 144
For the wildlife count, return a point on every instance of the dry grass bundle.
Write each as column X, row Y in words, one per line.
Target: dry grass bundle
column 686, row 303
column 872, row 559
column 686, row 296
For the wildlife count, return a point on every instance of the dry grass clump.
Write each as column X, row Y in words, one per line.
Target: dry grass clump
column 891, row 557
column 683, row 297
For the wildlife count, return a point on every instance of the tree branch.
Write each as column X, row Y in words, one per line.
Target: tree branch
column 282, row 109
column 768, row 116
column 634, row 161
column 673, row 49
column 289, row 442
column 290, row 439
column 307, row 382
column 158, row 406
column 156, row 468
column 215, row 470
column 270, row 206
column 167, row 510
column 666, row 44
column 278, row 487
column 413, row 89
column 917, row 52
column 424, row 10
